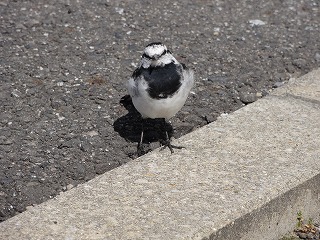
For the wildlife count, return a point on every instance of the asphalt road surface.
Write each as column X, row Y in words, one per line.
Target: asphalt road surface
column 64, row 65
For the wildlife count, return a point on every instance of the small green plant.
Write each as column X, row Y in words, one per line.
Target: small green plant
column 300, row 219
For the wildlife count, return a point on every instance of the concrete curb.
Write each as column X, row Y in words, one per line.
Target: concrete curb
column 244, row 176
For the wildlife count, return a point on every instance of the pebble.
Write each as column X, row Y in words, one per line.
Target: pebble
column 29, row 207
column 119, row 10
column 256, row 22
column 310, row 235
column 16, row 93
column 259, row 94
column 70, row 186
column 299, row 62
column 302, row 235
column 278, row 84
column 247, row 97
column 280, row 77
column 91, row 133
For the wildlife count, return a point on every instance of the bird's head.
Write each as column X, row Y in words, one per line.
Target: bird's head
column 156, row 54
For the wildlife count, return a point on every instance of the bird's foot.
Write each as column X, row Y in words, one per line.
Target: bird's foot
column 142, row 149
column 167, row 144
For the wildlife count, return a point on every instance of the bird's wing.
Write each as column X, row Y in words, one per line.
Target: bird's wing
column 132, row 87
column 164, row 81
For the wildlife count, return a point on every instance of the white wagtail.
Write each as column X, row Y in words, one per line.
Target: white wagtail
column 159, row 86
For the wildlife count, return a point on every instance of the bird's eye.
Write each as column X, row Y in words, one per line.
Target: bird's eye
column 163, row 53
column 146, row 56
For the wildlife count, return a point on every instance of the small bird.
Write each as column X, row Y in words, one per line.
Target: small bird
column 159, row 86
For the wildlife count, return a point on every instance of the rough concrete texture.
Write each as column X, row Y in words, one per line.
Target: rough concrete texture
column 259, row 164
column 277, row 217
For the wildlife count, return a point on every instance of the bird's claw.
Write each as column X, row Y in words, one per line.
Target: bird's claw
column 167, row 144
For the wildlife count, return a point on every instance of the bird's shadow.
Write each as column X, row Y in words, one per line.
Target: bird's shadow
column 129, row 126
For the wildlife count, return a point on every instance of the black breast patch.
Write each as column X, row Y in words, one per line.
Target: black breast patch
column 163, row 81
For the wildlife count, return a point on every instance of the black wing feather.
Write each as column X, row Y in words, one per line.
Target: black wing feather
column 163, row 81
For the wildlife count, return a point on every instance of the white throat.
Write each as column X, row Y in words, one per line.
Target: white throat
column 163, row 60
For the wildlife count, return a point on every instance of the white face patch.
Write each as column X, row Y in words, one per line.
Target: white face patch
column 156, row 54
column 155, row 50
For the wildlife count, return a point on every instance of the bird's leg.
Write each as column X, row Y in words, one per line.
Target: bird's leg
column 140, row 148
column 141, row 137
column 167, row 143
